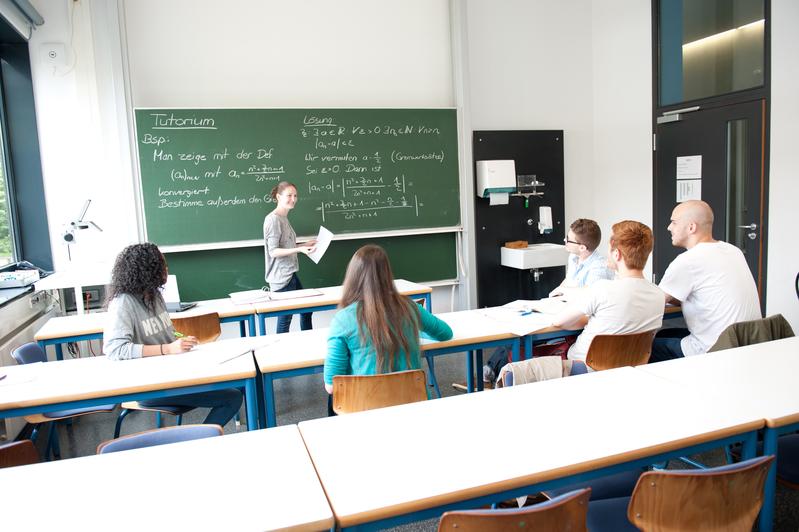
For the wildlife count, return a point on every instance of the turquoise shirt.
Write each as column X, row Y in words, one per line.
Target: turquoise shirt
column 347, row 356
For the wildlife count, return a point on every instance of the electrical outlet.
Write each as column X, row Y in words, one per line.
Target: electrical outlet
column 54, row 54
column 35, row 299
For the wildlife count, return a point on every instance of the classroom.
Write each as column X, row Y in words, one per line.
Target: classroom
column 100, row 96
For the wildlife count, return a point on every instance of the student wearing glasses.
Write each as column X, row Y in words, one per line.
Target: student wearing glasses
column 586, row 264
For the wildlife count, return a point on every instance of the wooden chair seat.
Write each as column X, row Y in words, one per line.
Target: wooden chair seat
column 609, row 351
column 354, row 393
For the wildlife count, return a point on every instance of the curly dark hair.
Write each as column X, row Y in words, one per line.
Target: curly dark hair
column 139, row 270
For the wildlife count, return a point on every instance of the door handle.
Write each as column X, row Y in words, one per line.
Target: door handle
column 750, row 227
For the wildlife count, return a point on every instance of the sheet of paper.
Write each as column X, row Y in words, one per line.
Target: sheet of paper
column 322, row 242
column 689, row 167
column 689, row 189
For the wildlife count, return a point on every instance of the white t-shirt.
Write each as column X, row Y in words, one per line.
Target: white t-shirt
column 624, row 306
column 716, row 288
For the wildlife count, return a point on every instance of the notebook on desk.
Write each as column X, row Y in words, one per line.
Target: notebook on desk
column 172, row 296
column 262, row 295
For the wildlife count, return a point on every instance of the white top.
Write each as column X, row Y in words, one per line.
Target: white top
column 194, row 485
column 370, row 469
column 623, row 306
column 716, row 288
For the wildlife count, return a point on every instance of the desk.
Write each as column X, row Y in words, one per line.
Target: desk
column 65, row 329
column 182, row 486
column 303, row 352
column 44, row 387
column 78, row 276
column 762, row 377
column 329, row 299
column 373, row 478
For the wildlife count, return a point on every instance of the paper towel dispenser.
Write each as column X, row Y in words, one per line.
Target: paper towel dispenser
column 494, row 177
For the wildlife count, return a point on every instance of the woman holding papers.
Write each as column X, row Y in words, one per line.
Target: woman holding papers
column 139, row 326
column 376, row 329
column 280, row 251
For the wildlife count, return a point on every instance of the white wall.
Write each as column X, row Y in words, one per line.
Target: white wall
column 783, row 255
column 530, row 68
column 622, row 111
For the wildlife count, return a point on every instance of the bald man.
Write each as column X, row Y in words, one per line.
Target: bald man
column 711, row 280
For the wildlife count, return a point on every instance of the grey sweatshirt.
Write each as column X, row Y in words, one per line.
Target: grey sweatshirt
column 131, row 325
column 278, row 233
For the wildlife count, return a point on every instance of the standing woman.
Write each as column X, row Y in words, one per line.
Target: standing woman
column 139, row 326
column 377, row 329
column 280, row 251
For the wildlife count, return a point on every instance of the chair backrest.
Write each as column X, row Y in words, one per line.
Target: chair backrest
column 618, row 350
column 18, row 453
column 151, row 438
column 565, row 512
column 354, row 393
column 29, row 353
column 205, row 326
column 726, row 498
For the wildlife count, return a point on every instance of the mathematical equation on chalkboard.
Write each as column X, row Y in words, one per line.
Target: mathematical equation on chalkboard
column 348, row 171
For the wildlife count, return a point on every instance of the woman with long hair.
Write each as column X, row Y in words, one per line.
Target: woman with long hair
column 376, row 329
column 139, row 326
column 281, row 249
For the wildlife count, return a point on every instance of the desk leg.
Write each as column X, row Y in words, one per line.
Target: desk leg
column 252, row 402
column 528, row 347
column 242, row 332
column 251, row 325
column 59, row 352
column 767, row 511
column 262, row 324
column 469, row 371
column 515, row 353
column 269, row 400
column 433, row 381
column 478, row 354
column 428, row 302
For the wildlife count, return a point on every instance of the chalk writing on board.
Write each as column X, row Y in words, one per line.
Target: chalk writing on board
column 355, row 169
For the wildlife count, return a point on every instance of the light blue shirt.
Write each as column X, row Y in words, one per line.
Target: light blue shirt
column 592, row 269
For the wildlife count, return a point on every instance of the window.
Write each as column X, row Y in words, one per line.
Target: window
column 7, row 248
column 710, row 48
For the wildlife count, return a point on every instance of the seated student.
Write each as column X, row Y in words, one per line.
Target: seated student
column 376, row 329
column 628, row 304
column 711, row 280
column 586, row 266
column 139, row 326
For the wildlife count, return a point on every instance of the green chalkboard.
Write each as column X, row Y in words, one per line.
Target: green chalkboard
column 211, row 274
column 206, row 174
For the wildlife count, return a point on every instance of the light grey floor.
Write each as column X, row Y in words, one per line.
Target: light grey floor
column 303, row 398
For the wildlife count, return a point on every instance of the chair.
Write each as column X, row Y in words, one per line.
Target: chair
column 28, row 354
column 162, row 436
column 207, row 329
column 18, row 453
column 726, row 498
column 609, row 351
column 565, row 513
column 752, row 332
column 354, row 393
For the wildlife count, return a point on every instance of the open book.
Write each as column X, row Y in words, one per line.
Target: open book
column 261, row 295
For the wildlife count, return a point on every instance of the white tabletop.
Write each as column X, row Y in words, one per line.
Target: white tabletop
column 331, row 295
column 96, row 377
column 371, row 467
column 90, row 274
column 258, row 480
column 761, row 377
column 94, row 322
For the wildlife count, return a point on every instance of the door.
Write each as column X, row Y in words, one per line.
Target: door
column 730, row 177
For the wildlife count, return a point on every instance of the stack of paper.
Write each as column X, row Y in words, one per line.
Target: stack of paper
column 248, row 297
column 18, row 278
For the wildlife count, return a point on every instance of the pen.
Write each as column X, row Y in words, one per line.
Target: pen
column 526, row 313
column 3, row 376
column 179, row 334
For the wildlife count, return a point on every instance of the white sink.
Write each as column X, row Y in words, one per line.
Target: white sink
column 534, row 256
